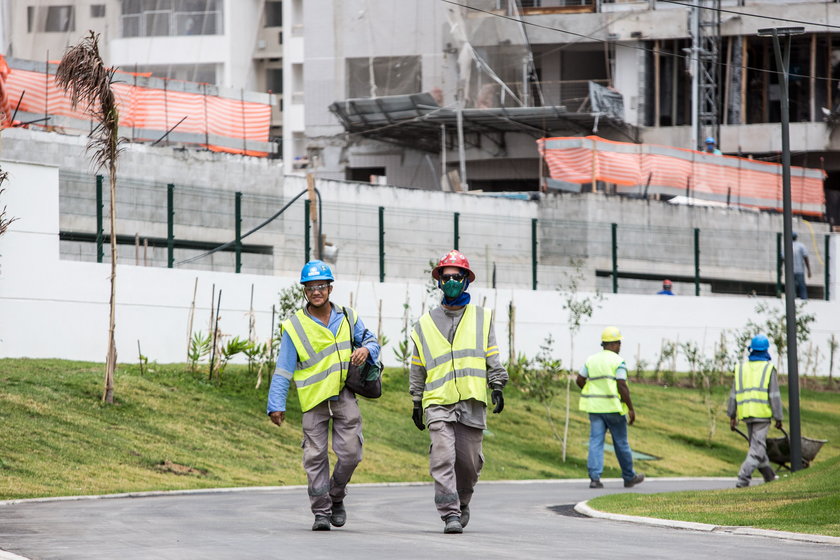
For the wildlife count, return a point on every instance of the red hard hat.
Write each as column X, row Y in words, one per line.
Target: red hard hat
column 666, row 282
column 453, row 258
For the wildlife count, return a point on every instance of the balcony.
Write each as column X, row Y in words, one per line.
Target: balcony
column 269, row 43
column 542, row 7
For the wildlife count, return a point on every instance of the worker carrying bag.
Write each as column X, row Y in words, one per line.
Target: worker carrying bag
column 364, row 380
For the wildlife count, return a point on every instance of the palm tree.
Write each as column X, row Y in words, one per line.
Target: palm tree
column 4, row 221
column 84, row 77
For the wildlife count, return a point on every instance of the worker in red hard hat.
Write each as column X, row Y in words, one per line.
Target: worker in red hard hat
column 454, row 360
column 666, row 288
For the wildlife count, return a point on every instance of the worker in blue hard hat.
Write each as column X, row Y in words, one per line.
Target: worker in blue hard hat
column 316, row 348
column 755, row 399
column 711, row 146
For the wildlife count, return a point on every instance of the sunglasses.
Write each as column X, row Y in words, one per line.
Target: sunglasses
column 447, row 277
column 316, row 288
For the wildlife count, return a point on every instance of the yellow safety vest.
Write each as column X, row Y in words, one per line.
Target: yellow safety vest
column 457, row 371
column 323, row 358
column 752, row 389
column 600, row 394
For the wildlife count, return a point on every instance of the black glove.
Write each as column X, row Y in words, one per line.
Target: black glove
column 498, row 399
column 417, row 415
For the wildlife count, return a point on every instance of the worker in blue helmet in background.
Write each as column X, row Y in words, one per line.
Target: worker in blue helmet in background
column 711, row 147
column 315, row 352
column 755, row 399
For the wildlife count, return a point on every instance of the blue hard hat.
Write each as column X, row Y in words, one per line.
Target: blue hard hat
column 316, row 270
column 759, row 342
column 710, row 140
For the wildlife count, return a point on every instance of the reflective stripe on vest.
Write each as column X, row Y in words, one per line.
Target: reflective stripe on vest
column 600, row 394
column 457, row 371
column 322, row 357
column 752, row 387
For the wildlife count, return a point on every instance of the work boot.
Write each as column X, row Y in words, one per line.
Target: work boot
column 465, row 515
column 596, row 483
column 322, row 523
column 638, row 479
column 339, row 515
column 768, row 473
column 453, row 524
column 742, row 484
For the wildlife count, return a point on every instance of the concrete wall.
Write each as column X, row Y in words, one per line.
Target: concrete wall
column 57, row 308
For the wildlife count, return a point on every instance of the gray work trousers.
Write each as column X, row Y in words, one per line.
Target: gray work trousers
column 757, row 455
column 347, row 443
column 455, row 462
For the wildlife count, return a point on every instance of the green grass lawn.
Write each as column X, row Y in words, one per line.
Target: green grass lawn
column 171, row 429
column 807, row 501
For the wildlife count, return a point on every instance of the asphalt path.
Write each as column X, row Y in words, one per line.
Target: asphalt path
column 509, row 519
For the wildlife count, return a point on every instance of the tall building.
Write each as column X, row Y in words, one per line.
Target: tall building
column 229, row 43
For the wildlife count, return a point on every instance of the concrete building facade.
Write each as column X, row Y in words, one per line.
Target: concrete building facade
column 640, row 49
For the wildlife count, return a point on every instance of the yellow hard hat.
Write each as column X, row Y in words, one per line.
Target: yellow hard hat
column 611, row 334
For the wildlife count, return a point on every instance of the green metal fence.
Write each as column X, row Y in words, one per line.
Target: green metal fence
column 399, row 242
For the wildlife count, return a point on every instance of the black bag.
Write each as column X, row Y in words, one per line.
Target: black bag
column 364, row 380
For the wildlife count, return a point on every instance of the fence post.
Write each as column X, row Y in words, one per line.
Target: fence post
column 827, row 266
column 306, row 226
column 381, row 243
column 778, row 264
column 237, row 224
column 614, row 228
column 100, row 252
column 170, row 225
column 457, row 234
column 696, row 261
column 533, row 253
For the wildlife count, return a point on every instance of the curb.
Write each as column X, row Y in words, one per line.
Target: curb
column 198, row 491
column 11, row 556
column 584, row 509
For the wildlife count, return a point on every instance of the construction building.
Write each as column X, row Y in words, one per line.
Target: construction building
column 513, row 72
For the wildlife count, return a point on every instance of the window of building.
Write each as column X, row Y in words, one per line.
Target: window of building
column 383, row 75
column 273, row 14
column 201, row 73
column 274, row 80
column 30, row 19
column 364, row 174
column 161, row 18
column 60, row 18
column 97, row 10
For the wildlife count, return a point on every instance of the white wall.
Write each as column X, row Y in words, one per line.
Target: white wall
column 54, row 308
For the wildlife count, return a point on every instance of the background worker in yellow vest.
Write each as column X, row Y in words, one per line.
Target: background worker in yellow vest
column 606, row 397
column 315, row 351
column 755, row 399
column 454, row 360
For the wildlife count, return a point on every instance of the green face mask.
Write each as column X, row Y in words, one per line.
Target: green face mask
column 452, row 289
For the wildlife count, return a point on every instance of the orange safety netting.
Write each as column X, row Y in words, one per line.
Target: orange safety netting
column 5, row 104
column 649, row 168
column 149, row 111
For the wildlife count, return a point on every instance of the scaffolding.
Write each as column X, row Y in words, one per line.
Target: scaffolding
column 706, row 69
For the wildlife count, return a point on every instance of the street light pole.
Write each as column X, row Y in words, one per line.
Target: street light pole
column 782, row 65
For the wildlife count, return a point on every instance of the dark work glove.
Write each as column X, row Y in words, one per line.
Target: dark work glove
column 498, row 399
column 417, row 415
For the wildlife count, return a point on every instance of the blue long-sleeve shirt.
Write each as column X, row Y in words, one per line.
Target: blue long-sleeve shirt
column 287, row 357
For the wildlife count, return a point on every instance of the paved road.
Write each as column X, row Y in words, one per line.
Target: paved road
column 509, row 519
